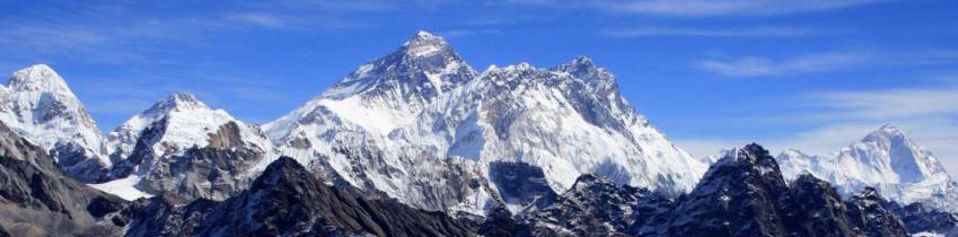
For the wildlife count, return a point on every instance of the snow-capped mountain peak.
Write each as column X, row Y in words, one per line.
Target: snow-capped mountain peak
column 424, row 67
column 886, row 159
column 381, row 123
column 186, row 122
column 38, row 105
column 581, row 66
column 180, row 145
column 39, row 77
column 890, row 147
column 795, row 162
column 424, row 44
column 178, row 101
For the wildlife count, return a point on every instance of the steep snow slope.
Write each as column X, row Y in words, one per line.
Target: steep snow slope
column 180, row 145
column 353, row 133
column 38, row 105
column 569, row 120
column 186, row 121
column 886, row 159
column 414, row 121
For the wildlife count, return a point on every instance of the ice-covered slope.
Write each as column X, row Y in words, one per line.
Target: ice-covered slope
column 180, row 145
column 420, row 125
column 186, row 121
column 382, row 95
column 569, row 120
column 38, row 105
column 886, row 159
column 353, row 133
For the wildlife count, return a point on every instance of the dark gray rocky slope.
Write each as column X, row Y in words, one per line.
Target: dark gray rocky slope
column 286, row 200
column 38, row 199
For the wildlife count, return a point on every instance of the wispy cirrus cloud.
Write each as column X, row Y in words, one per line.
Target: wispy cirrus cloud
column 888, row 104
column 704, row 8
column 261, row 19
column 119, row 33
column 654, row 31
column 929, row 115
column 468, row 32
column 759, row 66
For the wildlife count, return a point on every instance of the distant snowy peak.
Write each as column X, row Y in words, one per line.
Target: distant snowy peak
column 590, row 89
column 384, row 94
column 583, row 67
column 181, row 147
column 178, row 101
column 38, row 77
column 885, row 159
column 886, row 155
column 44, row 107
column 575, row 113
column 795, row 162
column 424, row 44
column 185, row 122
column 38, row 105
column 909, row 160
column 423, row 68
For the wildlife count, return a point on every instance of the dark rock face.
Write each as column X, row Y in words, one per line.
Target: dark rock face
column 598, row 207
column 213, row 172
column 435, row 183
column 3, row 232
column 499, row 222
column 920, row 218
column 158, row 216
column 37, row 199
column 868, row 214
column 813, row 207
column 141, row 155
column 286, row 200
column 738, row 196
column 72, row 159
column 521, row 183
column 743, row 194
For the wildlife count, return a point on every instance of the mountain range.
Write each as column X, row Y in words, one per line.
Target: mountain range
column 417, row 142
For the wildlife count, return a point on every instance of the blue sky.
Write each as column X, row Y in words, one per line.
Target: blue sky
column 811, row 74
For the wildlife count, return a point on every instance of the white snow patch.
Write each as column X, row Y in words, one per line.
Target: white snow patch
column 124, row 188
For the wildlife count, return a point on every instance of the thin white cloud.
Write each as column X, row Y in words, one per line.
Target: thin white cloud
column 705, row 32
column 702, row 8
column 467, row 32
column 122, row 33
column 759, row 66
column 928, row 115
column 889, row 104
column 261, row 19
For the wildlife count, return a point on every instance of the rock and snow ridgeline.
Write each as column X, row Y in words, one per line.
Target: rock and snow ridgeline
column 420, row 125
